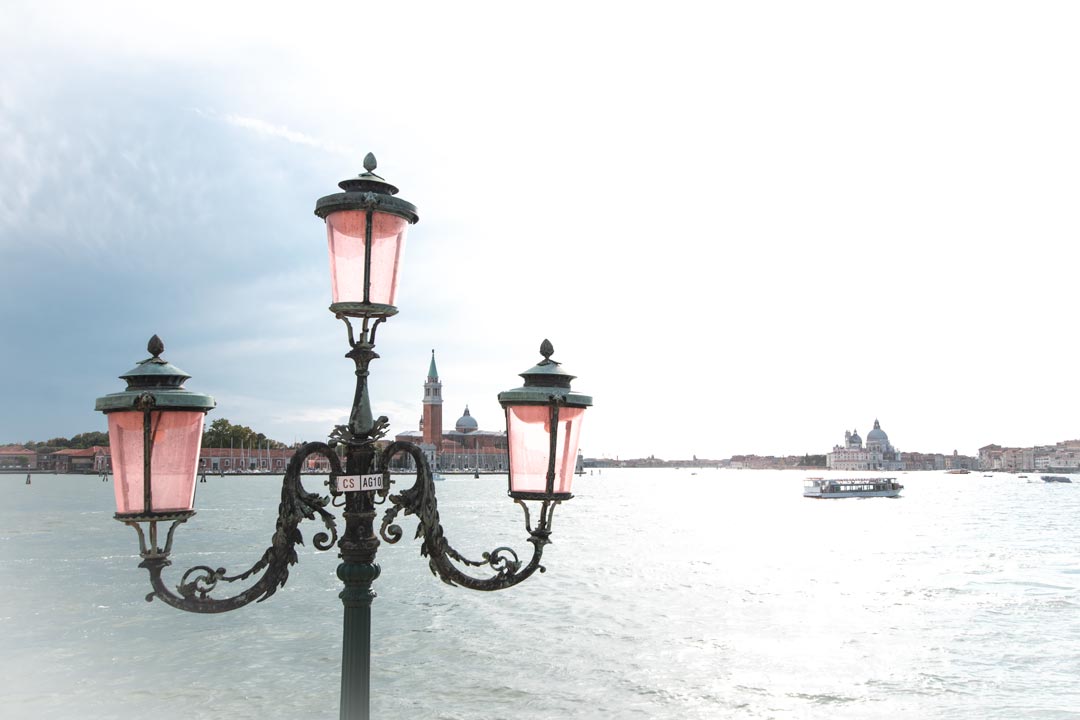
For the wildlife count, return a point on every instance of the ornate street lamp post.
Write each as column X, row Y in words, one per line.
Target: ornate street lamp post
column 155, row 429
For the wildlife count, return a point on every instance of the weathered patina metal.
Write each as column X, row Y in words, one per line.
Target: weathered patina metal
column 196, row 584
column 419, row 501
column 153, row 385
column 358, row 442
column 369, row 193
column 358, row 543
column 154, row 382
column 546, row 384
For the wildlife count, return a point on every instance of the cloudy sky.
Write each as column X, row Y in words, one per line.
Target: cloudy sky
column 745, row 228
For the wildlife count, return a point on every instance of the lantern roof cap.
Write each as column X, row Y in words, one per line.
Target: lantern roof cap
column 155, row 383
column 368, row 180
column 543, row 381
column 367, row 191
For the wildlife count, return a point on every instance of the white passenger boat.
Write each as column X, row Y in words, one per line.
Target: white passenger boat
column 851, row 487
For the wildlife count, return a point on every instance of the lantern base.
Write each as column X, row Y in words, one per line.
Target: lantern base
column 363, row 310
column 148, row 547
column 154, row 516
column 557, row 497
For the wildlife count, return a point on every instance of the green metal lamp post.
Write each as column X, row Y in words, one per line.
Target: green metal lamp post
column 155, row 429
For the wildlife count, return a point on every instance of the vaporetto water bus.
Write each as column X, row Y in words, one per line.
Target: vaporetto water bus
column 851, row 487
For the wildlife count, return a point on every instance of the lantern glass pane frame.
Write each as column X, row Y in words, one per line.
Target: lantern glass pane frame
column 365, row 253
column 542, row 462
column 175, row 440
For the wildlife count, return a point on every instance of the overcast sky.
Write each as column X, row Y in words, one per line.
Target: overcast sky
column 746, row 228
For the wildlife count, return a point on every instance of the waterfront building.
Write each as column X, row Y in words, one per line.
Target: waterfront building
column 956, row 461
column 1006, row 459
column 878, row 454
column 465, row 448
column 253, row 459
column 850, row 456
column 761, row 462
column 16, row 456
column 923, row 461
column 1063, row 456
column 94, row 459
column 98, row 459
column 990, row 457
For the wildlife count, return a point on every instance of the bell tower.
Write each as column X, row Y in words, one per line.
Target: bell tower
column 432, row 421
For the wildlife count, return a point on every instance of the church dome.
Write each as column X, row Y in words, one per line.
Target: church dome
column 877, row 433
column 466, row 423
column 855, row 439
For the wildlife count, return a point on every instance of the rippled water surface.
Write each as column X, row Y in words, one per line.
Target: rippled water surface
column 669, row 594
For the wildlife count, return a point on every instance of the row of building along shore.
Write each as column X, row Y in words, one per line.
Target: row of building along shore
column 878, row 453
column 464, row 448
column 1063, row 456
column 467, row 448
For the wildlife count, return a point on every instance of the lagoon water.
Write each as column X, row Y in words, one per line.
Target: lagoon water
column 669, row 594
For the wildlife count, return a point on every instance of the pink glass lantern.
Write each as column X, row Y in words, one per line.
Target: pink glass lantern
column 365, row 229
column 155, row 435
column 348, row 233
column 175, row 440
column 543, row 427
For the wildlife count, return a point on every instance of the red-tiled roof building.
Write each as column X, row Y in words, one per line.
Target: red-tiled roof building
column 16, row 456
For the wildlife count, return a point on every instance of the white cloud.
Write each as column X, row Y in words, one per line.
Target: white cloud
column 280, row 132
column 327, row 416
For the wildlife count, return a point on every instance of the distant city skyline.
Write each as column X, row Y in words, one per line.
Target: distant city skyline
column 1005, row 455
column 744, row 228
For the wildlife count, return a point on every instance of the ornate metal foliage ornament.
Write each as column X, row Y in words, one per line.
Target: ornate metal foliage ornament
column 358, row 544
column 196, row 584
column 419, row 500
column 365, row 214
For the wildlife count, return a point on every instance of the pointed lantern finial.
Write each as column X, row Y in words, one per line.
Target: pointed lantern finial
column 546, row 350
column 155, row 347
column 369, row 162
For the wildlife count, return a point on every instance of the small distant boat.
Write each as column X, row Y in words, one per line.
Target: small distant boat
column 1024, row 476
column 1056, row 478
column 957, row 471
column 826, row 488
column 438, row 477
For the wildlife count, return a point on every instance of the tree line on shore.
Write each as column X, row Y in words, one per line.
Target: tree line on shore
column 82, row 441
column 220, row 434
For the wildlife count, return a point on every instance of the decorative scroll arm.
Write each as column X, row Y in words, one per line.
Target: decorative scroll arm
column 419, row 500
column 196, row 584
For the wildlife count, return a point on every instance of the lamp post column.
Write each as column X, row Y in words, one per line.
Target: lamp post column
column 358, row 570
column 366, row 227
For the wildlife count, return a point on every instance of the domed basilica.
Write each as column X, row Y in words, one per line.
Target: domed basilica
column 879, row 454
column 466, row 447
